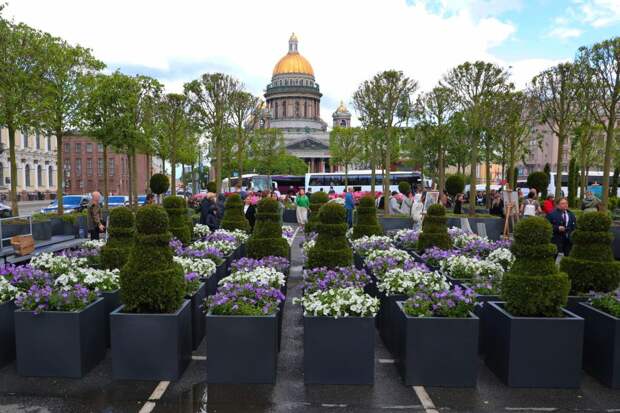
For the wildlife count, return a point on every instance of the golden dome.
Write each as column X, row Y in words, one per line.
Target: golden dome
column 293, row 62
column 342, row 108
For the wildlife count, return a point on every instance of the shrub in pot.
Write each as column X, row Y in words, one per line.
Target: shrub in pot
column 434, row 229
column 332, row 248
column 591, row 265
column 367, row 223
column 233, row 214
column 154, row 309
column 267, row 237
column 535, row 342
column 455, row 184
column 176, row 207
column 115, row 252
column 159, row 183
column 317, row 200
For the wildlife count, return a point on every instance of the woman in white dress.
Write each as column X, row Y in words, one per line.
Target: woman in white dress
column 416, row 212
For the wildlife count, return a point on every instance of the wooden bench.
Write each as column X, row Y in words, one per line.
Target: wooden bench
column 54, row 244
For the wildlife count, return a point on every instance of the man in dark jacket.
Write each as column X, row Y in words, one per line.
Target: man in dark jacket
column 564, row 223
column 208, row 212
column 249, row 211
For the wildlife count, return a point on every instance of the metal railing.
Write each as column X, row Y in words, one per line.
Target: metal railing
column 3, row 220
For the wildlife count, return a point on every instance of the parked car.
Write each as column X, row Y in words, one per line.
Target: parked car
column 140, row 201
column 117, row 201
column 71, row 203
column 5, row 211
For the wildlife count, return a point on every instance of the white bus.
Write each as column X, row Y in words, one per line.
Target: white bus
column 359, row 180
column 249, row 182
column 594, row 178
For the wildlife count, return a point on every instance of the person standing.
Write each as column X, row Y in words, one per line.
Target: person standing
column 548, row 204
column 394, row 206
column 531, row 206
column 93, row 218
column 564, row 223
column 497, row 206
column 590, row 203
column 249, row 211
column 349, row 205
column 303, row 203
column 458, row 204
column 405, row 206
column 417, row 210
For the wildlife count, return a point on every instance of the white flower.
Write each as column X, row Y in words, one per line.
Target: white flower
column 339, row 302
column 503, row 257
column 94, row 244
column 399, row 281
column 463, row 267
column 264, row 276
column 461, row 238
column 56, row 264
column 204, row 267
column 349, row 234
column 239, row 234
column 8, row 291
column 225, row 247
column 395, row 253
column 365, row 244
column 307, row 246
column 201, row 230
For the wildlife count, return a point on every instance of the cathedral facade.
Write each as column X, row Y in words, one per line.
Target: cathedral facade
column 293, row 105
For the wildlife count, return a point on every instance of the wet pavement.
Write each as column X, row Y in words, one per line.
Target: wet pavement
column 98, row 392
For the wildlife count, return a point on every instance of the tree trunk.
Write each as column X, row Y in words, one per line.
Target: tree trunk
column 487, row 165
column 13, row 168
column 442, row 168
column 134, row 166
column 558, row 176
column 130, row 179
column 59, row 171
column 105, row 175
column 584, row 174
column 472, row 173
column 609, row 144
column 173, row 174
column 373, row 178
column 346, row 176
column 386, row 173
column 218, row 164
column 240, row 149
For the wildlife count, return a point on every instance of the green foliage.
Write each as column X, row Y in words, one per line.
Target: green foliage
column 267, row 237
column 404, row 187
column 367, row 223
column 547, row 171
column 332, row 248
column 211, row 186
column 434, row 229
column 151, row 282
column 591, row 265
column 317, row 199
column 534, row 287
column 455, row 184
column 159, row 183
column 115, row 252
column 233, row 214
column 615, row 181
column 538, row 180
column 176, row 207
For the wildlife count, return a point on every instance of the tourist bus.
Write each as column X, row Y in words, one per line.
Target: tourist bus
column 594, row 180
column 249, row 182
column 288, row 183
column 359, row 180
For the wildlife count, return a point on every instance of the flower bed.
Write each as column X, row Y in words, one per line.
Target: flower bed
column 342, row 277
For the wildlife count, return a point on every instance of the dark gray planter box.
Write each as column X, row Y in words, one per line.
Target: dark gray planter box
column 242, row 349
column 112, row 300
column 61, row 227
column 42, row 230
column 395, row 223
column 389, row 322
column 480, row 312
column 60, row 343
column 358, row 261
column 7, row 333
column 290, row 216
column 151, row 346
column 615, row 229
column 339, row 351
column 601, row 345
column 534, row 351
column 10, row 230
column 439, row 351
column 198, row 316
column 494, row 227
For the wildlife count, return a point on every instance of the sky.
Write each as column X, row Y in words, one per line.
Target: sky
column 346, row 41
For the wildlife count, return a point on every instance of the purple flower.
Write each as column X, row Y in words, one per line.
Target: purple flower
column 342, row 277
column 248, row 264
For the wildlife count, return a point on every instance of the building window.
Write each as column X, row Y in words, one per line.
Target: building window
column 37, row 140
column 276, row 110
column 89, row 148
column 100, row 148
column 49, row 143
column 284, row 108
column 78, row 167
column 305, row 109
column 24, row 139
column 296, row 109
column 1, row 174
column 50, row 176
column 78, row 148
column 100, row 167
column 111, row 167
column 80, row 183
column 67, row 147
column 27, row 175
column 89, row 167
column 39, row 176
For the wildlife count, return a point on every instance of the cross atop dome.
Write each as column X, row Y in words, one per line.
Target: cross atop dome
column 292, row 43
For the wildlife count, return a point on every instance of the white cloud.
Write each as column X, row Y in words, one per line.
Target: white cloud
column 598, row 13
column 565, row 32
column 346, row 41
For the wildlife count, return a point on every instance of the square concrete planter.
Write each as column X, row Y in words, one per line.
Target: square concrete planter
column 7, row 333
column 439, row 351
column 389, row 322
column 480, row 312
column 198, row 316
column 112, row 300
column 242, row 349
column 151, row 346
column 60, row 343
column 391, row 223
column 601, row 345
column 534, row 351
column 339, row 351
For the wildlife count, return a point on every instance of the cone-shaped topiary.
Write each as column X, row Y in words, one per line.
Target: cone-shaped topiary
column 115, row 252
column 434, row 229
column 267, row 237
column 534, row 287
column 176, row 207
column 591, row 265
column 332, row 248
column 317, row 200
column 233, row 214
column 367, row 223
column 151, row 282
column 159, row 183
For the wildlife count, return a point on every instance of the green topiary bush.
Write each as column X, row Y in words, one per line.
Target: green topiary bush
column 332, row 248
column 534, row 287
column 267, row 237
column 404, row 187
column 317, row 200
column 151, row 282
column 367, row 223
column 159, row 183
column 211, row 186
column 115, row 252
column 435, row 229
column 455, row 184
column 591, row 265
column 176, row 207
column 538, row 180
column 233, row 214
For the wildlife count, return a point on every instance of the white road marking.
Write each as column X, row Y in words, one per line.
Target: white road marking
column 333, row 405
column 156, row 395
column 199, row 358
column 411, row 407
column 387, row 361
column 425, row 399
column 531, row 409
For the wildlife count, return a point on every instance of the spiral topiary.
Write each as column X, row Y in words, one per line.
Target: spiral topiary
column 332, row 248
column 151, row 282
column 591, row 265
column 367, row 223
column 233, row 214
column 534, row 287
column 435, row 229
column 176, row 207
column 115, row 252
column 317, row 200
column 267, row 237
column 159, row 184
